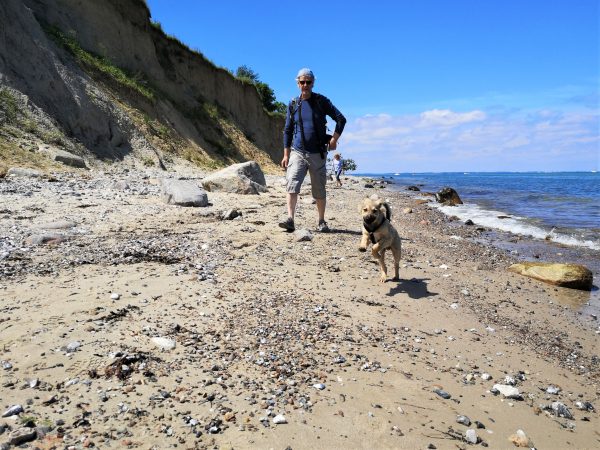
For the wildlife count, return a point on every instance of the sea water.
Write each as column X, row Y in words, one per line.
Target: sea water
column 554, row 214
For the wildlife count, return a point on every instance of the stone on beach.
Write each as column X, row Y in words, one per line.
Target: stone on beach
column 442, row 393
column 57, row 225
column 68, row 159
column 21, row 436
column 183, row 193
column 242, row 178
column 507, row 391
column 471, row 436
column 164, row 343
column 45, row 238
column 448, row 197
column 520, row 439
column 573, row 276
column 279, row 419
column 302, row 235
column 23, row 172
column 464, row 420
column 13, row 411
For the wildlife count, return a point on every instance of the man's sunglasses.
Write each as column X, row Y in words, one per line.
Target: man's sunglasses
column 303, row 82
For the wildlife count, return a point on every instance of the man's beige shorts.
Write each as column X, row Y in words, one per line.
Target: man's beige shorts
column 300, row 163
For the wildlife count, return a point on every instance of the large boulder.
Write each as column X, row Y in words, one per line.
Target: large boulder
column 573, row 276
column 183, row 193
column 23, row 172
column 448, row 197
column 62, row 156
column 242, row 178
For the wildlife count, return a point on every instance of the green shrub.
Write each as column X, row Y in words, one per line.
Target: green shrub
column 248, row 76
column 147, row 161
column 100, row 64
column 9, row 108
column 29, row 126
column 348, row 165
column 53, row 137
column 156, row 24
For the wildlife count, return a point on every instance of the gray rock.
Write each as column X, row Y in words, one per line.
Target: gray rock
column 23, row 172
column 46, row 238
column 73, row 346
column 183, row 193
column 507, row 391
column 471, row 436
column 303, row 235
column 13, row 411
column 164, row 343
column 68, row 159
column 230, row 214
column 553, row 390
column 279, row 418
column 243, row 178
column 21, row 435
column 561, row 410
column 442, row 393
column 463, row 420
column 121, row 185
column 585, row 406
column 448, row 196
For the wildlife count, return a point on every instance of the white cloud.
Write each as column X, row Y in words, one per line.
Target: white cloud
column 445, row 140
column 445, row 117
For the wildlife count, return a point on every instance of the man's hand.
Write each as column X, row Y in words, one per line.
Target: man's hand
column 332, row 143
column 286, row 157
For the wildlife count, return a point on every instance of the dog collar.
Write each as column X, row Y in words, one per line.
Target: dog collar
column 373, row 230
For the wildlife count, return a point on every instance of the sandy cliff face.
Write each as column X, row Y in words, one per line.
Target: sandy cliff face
column 55, row 53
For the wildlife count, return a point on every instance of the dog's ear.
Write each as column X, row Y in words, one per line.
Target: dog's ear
column 388, row 211
column 361, row 205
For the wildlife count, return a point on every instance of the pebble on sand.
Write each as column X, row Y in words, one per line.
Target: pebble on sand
column 164, row 343
column 279, row 418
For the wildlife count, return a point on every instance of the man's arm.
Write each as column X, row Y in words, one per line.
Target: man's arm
column 288, row 129
column 340, row 123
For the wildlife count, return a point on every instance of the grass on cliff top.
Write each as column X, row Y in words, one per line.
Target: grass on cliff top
column 100, row 64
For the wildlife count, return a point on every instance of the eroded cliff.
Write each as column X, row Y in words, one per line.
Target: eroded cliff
column 100, row 80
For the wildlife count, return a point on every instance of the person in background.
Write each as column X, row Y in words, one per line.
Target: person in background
column 338, row 164
column 305, row 145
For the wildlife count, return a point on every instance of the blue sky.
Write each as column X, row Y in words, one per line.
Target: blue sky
column 428, row 85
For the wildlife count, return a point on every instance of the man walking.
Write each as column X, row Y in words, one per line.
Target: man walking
column 305, row 142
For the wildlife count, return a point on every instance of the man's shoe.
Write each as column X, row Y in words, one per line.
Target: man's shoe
column 288, row 224
column 323, row 227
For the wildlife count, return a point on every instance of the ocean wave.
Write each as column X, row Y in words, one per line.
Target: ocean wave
column 514, row 224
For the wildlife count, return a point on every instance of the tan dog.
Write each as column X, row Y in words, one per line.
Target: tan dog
column 378, row 230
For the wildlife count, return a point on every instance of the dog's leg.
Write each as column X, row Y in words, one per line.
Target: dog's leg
column 381, row 258
column 364, row 242
column 397, row 252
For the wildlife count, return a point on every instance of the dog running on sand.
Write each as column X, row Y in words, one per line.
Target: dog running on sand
column 378, row 230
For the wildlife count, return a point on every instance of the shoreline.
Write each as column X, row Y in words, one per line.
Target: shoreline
column 259, row 319
column 525, row 247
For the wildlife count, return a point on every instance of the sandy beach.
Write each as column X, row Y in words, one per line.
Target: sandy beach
column 147, row 325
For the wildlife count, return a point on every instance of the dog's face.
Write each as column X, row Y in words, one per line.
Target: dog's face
column 373, row 210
